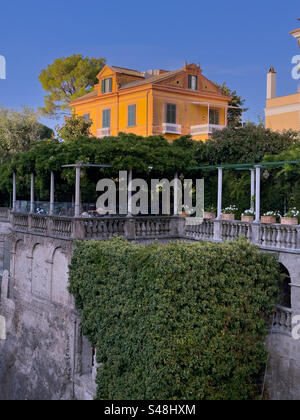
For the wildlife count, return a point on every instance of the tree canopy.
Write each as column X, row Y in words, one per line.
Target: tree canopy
column 66, row 79
column 154, row 157
column 235, row 116
column 74, row 127
column 19, row 131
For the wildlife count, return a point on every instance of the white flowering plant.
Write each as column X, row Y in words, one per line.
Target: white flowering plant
column 272, row 213
column 230, row 210
column 188, row 210
column 249, row 213
column 210, row 209
column 293, row 213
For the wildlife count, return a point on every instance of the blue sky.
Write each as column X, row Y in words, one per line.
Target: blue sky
column 234, row 41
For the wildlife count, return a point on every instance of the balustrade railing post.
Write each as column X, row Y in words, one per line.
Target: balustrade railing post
column 256, row 233
column 130, row 228
column 30, row 222
column 297, row 245
column 78, row 228
column 217, row 230
column 49, row 226
column 177, row 226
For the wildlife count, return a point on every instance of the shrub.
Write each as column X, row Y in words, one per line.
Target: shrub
column 179, row 321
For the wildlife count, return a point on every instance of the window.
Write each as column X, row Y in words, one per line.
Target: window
column 193, row 82
column 86, row 117
column 171, row 114
column 214, row 117
column 106, row 118
column 131, row 115
column 106, row 85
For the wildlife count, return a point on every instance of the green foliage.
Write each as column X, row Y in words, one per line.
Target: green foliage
column 246, row 144
column 74, row 127
column 177, row 321
column 19, row 130
column 235, row 116
column 124, row 152
column 68, row 78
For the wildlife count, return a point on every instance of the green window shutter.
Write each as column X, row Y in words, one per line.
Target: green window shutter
column 110, row 85
column 190, row 81
column 103, row 86
column 106, row 118
column 171, row 114
column 131, row 115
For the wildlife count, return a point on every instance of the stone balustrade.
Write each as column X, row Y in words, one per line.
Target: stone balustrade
column 4, row 214
column 282, row 321
column 273, row 237
column 99, row 228
column 277, row 237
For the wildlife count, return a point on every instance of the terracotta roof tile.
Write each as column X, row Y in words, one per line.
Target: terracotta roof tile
column 153, row 79
column 130, row 72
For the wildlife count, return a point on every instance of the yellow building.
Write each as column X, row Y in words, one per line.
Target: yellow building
column 172, row 103
column 282, row 113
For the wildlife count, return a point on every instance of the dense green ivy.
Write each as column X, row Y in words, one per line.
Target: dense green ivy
column 176, row 321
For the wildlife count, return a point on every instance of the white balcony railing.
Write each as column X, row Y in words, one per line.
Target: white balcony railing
column 103, row 132
column 205, row 129
column 171, row 128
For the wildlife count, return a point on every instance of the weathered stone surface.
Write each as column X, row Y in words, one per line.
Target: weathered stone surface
column 45, row 356
column 41, row 358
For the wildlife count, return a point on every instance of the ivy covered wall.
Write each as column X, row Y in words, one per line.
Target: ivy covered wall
column 177, row 321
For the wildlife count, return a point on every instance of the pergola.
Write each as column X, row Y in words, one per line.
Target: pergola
column 255, row 169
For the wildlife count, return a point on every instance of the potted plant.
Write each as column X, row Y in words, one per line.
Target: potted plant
column 270, row 217
column 228, row 213
column 186, row 211
column 248, row 216
column 210, row 213
column 291, row 217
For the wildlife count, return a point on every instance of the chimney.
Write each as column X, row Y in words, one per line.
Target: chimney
column 271, row 83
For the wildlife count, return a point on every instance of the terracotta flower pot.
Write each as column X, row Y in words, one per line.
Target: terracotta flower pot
column 290, row 221
column 208, row 215
column 183, row 214
column 248, row 219
column 228, row 217
column 268, row 220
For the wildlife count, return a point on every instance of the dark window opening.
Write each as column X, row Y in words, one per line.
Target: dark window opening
column 214, row 117
column 171, row 114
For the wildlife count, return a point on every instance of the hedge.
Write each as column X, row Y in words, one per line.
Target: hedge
column 183, row 321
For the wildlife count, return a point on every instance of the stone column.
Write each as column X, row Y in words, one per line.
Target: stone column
column 32, row 193
column 257, row 195
column 14, row 191
column 77, row 192
column 129, row 213
column 220, row 192
column 52, row 190
column 252, row 189
column 176, row 194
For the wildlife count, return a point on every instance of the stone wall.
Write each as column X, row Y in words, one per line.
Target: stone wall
column 44, row 356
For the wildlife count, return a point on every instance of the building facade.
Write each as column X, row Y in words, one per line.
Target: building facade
column 282, row 113
column 172, row 103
